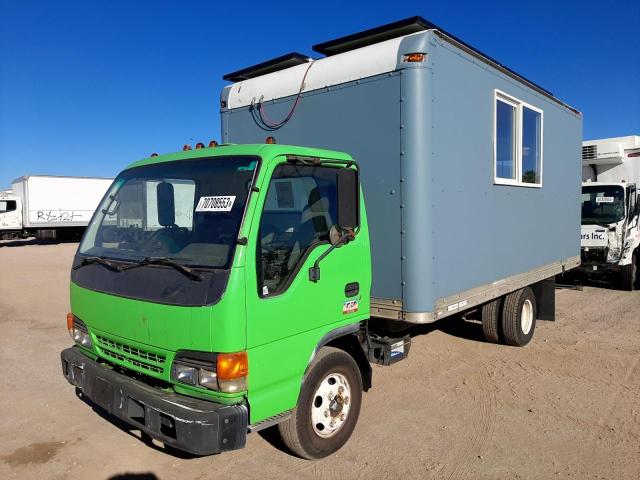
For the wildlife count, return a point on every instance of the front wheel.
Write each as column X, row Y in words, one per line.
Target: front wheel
column 328, row 406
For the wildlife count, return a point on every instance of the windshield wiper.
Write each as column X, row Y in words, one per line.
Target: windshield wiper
column 102, row 261
column 189, row 272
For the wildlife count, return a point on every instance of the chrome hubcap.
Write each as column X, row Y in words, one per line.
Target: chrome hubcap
column 330, row 405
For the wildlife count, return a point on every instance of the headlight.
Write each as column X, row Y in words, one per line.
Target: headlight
column 208, row 379
column 224, row 372
column 79, row 332
column 184, row 373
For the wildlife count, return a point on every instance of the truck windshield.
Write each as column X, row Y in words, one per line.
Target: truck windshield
column 189, row 211
column 602, row 204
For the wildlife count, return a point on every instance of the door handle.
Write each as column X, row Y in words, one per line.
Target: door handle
column 351, row 289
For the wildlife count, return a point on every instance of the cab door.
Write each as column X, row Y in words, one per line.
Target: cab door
column 287, row 312
column 10, row 214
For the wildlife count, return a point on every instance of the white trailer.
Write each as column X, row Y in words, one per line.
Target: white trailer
column 610, row 236
column 50, row 207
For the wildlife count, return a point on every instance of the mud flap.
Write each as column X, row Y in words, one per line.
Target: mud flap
column 545, row 292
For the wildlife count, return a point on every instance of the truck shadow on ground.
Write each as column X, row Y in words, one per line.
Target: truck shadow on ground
column 135, row 433
column 456, row 326
column 578, row 283
column 134, row 476
column 271, row 435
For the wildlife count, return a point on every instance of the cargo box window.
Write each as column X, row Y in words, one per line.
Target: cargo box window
column 517, row 142
column 7, row 206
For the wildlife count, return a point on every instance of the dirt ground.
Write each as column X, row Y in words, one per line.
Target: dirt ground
column 566, row 406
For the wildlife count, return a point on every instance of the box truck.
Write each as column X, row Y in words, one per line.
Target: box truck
column 224, row 290
column 49, row 207
column 610, row 235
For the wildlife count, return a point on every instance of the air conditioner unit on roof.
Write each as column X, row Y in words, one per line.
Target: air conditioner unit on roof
column 603, row 154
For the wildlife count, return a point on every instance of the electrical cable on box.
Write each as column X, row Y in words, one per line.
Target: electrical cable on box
column 270, row 124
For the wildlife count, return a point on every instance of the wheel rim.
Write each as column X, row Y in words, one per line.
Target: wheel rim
column 526, row 316
column 330, row 405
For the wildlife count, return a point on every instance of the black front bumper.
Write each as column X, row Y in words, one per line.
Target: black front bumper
column 596, row 269
column 190, row 424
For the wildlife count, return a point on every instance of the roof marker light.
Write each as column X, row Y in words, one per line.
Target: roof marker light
column 270, row 140
column 199, row 145
column 186, row 147
column 414, row 57
column 213, row 144
column 154, row 154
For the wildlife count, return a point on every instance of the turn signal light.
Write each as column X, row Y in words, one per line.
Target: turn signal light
column 232, row 365
column 213, row 143
column 414, row 57
column 186, row 148
column 70, row 323
column 634, row 154
column 270, row 140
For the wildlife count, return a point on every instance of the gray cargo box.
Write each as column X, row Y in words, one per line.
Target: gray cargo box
column 437, row 135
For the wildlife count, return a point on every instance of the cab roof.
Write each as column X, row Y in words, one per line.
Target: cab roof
column 265, row 151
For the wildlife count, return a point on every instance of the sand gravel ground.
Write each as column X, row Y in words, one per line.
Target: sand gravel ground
column 566, row 406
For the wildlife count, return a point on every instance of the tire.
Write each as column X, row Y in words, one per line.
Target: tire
column 519, row 317
column 491, row 320
column 310, row 440
column 628, row 274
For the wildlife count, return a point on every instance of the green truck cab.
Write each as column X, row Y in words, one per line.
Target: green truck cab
column 223, row 290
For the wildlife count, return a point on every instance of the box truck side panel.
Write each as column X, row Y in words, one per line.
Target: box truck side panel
column 484, row 232
column 628, row 171
column 362, row 118
column 61, row 201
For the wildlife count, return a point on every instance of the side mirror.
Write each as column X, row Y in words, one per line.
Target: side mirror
column 166, row 204
column 348, row 199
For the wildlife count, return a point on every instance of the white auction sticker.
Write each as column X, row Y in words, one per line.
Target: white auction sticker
column 604, row 199
column 216, row 204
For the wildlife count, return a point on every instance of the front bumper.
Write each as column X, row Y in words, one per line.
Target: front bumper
column 190, row 424
column 597, row 269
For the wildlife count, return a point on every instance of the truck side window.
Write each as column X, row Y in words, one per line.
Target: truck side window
column 299, row 211
column 7, row 206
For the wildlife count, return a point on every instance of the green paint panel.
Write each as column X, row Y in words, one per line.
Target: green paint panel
column 279, row 333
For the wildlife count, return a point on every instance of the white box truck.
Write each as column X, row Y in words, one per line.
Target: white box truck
column 49, row 207
column 610, row 236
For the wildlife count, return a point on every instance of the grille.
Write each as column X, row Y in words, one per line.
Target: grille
column 594, row 255
column 589, row 152
column 132, row 355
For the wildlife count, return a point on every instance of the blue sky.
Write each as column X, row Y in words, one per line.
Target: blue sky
column 88, row 86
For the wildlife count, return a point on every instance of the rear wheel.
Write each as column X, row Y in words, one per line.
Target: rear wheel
column 491, row 320
column 628, row 274
column 519, row 317
column 328, row 406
